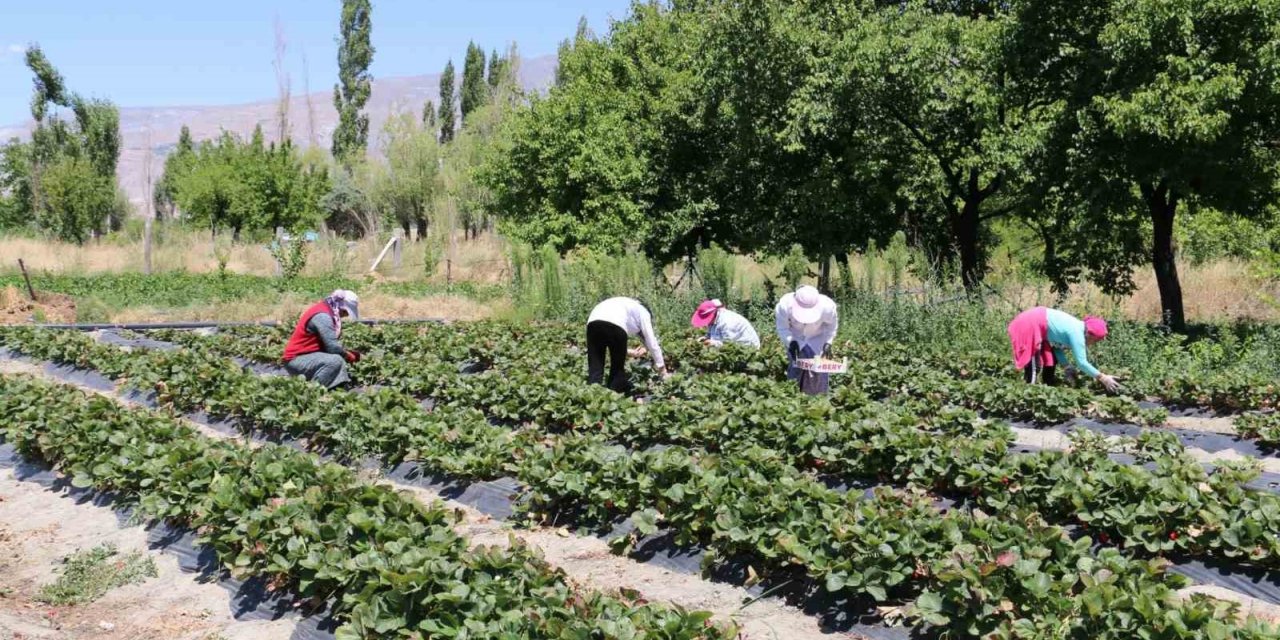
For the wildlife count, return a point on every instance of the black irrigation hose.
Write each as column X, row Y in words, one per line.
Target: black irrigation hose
column 212, row 325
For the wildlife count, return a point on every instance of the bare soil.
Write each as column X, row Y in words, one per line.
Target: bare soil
column 16, row 307
column 39, row 528
column 1206, row 425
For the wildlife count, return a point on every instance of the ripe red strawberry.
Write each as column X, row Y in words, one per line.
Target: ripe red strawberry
column 1004, row 480
column 819, row 463
column 1173, row 535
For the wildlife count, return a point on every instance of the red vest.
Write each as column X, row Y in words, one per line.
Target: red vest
column 302, row 341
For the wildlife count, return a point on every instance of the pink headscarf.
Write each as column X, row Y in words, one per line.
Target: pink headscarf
column 1095, row 326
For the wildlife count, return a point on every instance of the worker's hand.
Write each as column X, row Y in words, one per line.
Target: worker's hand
column 638, row 352
column 1109, row 382
column 793, row 350
column 353, row 356
column 826, row 351
column 665, row 373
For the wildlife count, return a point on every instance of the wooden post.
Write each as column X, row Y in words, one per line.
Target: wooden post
column 151, row 208
column 30, row 290
column 280, row 245
column 396, row 250
column 146, row 246
column 381, row 255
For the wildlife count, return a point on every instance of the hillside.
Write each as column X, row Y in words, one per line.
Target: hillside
column 158, row 127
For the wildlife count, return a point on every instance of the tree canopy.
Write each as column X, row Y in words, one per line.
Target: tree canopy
column 63, row 181
column 763, row 124
column 231, row 184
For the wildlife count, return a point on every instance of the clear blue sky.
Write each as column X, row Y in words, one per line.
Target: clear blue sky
column 195, row 52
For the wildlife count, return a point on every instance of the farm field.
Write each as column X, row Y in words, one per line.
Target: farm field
column 932, row 492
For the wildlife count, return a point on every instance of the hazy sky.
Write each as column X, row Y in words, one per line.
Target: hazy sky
column 198, row 52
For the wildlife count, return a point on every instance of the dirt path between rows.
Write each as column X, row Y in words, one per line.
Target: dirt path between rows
column 587, row 561
column 1045, row 439
column 39, row 528
column 1206, row 425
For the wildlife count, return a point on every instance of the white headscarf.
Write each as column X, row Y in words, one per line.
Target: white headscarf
column 342, row 300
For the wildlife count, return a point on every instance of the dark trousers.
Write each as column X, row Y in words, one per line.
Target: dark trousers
column 1048, row 375
column 601, row 337
column 811, row 382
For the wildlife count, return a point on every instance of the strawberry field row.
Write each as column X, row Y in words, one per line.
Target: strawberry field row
column 1174, row 508
column 423, row 362
column 571, row 481
column 1264, row 427
column 969, row 573
column 390, row 566
column 1211, row 383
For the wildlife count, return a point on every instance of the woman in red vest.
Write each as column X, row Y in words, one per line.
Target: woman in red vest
column 314, row 349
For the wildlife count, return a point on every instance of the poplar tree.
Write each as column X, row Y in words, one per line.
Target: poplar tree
column 447, row 98
column 355, row 54
column 474, row 90
column 497, row 68
column 429, row 116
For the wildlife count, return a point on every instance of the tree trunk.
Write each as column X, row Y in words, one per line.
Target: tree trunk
column 824, row 275
column 1162, row 204
column 966, row 224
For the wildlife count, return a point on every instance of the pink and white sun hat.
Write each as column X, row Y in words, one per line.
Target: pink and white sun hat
column 706, row 313
column 805, row 309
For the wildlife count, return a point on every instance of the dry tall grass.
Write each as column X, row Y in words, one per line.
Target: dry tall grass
column 1222, row 290
column 285, row 308
column 482, row 260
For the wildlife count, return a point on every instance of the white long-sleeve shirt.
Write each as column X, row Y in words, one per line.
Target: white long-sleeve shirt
column 629, row 314
column 816, row 334
column 732, row 327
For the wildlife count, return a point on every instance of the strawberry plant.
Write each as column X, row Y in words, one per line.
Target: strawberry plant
column 392, row 566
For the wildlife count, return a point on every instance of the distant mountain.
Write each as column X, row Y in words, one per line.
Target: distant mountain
column 158, row 127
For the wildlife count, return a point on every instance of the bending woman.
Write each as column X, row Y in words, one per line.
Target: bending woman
column 1039, row 337
column 314, row 351
column 611, row 323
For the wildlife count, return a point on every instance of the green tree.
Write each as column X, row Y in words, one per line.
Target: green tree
column 787, row 162
column 78, row 200
column 475, row 92
column 497, row 69
column 429, row 117
column 355, row 54
column 93, row 137
column 448, row 104
column 562, row 53
column 931, row 73
column 99, row 124
column 406, row 189
column 1162, row 108
column 476, row 145
column 621, row 178
column 229, row 184
column 177, row 163
column 347, row 208
column 15, row 185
